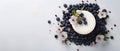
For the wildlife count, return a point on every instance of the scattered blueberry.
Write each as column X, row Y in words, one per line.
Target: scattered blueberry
column 111, row 37
column 49, row 22
column 109, row 11
column 57, row 19
column 104, row 10
column 59, row 6
column 56, row 36
column 82, row 1
column 114, row 25
column 65, row 5
column 77, row 49
column 55, row 15
column 111, row 28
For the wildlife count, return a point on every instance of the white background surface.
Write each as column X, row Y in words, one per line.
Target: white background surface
column 24, row 27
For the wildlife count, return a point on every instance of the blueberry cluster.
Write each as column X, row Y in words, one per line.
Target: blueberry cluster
column 83, row 20
column 73, row 36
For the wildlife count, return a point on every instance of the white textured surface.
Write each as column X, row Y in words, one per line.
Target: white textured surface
column 23, row 25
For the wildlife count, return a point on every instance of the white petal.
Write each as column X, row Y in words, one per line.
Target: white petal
column 101, row 38
column 63, row 34
column 78, row 11
column 58, row 29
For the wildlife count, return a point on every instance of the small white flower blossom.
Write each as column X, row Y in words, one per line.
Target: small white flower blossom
column 100, row 38
column 59, row 29
column 102, row 14
column 63, row 36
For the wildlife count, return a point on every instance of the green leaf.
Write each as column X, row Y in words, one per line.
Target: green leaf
column 65, row 41
column 106, row 38
column 74, row 12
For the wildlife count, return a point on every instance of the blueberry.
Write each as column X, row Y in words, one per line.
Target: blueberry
column 90, row 9
column 93, row 5
column 65, row 5
column 80, row 22
column 77, row 43
column 114, row 25
column 62, row 25
column 85, row 22
column 84, row 19
column 67, row 21
column 96, row 7
column 63, row 12
column 86, row 5
column 90, row 4
column 104, row 10
column 77, row 49
column 56, row 36
column 107, row 16
column 65, row 29
column 62, row 22
column 71, row 31
column 70, row 6
column 58, row 19
column 49, row 22
column 67, row 14
column 111, row 37
column 102, row 21
column 64, row 18
column 109, row 11
column 55, row 15
column 81, row 14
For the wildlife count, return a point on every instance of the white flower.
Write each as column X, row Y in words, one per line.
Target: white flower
column 73, row 20
column 58, row 29
column 102, row 14
column 63, row 36
column 100, row 38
